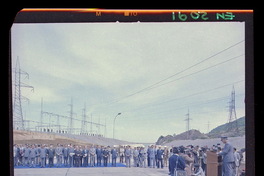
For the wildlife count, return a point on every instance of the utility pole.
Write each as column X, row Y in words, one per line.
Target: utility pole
column 208, row 127
column 232, row 112
column 70, row 123
column 114, row 124
column 83, row 127
column 105, row 129
column 18, row 121
column 99, row 130
column 41, row 113
column 188, row 124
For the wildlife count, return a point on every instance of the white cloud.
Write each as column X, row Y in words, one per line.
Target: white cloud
column 99, row 63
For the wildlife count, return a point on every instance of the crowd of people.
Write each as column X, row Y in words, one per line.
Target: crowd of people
column 191, row 159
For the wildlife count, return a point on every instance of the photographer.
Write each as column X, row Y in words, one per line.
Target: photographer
column 187, row 156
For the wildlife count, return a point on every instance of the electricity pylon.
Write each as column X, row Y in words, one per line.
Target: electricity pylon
column 18, row 121
column 232, row 113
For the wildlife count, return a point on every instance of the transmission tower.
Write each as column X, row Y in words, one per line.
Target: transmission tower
column 70, row 123
column 84, row 122
column 18, row 121
column 232, row 113
column 187, row 124
column 208, row 127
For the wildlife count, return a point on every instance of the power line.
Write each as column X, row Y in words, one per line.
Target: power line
column 197, row 93
column 151, row 86
column 181, row 107
column 212, row 66
column 18, row 120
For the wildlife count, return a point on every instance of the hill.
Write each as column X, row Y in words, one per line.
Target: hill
column 191, row 134
column 227, row 129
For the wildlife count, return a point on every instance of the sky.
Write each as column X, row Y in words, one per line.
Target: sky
column 151, row 73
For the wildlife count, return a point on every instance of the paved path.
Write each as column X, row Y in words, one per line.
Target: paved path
column 105, row 171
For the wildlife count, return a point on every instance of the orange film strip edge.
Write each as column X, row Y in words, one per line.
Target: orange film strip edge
column 131, row 10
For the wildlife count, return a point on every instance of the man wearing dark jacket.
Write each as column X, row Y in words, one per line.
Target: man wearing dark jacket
column 176, row 159
column 105, row 156
column 51, row 153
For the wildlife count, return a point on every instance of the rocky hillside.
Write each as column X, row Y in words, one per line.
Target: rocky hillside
column 191, row 134
column 228, row 129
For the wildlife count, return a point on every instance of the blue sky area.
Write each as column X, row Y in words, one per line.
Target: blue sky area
column 151, row 73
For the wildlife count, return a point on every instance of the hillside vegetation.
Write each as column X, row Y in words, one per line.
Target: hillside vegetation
column 233, row 129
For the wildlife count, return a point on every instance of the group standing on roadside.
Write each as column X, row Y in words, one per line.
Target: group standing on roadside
column 191, row 159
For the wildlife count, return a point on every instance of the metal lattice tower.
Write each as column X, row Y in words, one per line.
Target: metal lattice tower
column 84, row 123
column 18, row 121
column 232, row 112
column 70, row 122
column 188, row 124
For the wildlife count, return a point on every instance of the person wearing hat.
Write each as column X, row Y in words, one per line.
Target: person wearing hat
column 176, row 162
column 189, row 160
column 198, row 171
column 228, row 157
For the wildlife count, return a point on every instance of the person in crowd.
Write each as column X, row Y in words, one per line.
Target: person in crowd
column 195, row 152
column 85, row 154
column 228, row 158
column 160, row 154
column 148, row 152
column 92, row 153
column 42, row 154
column 99, row 155
column 32, row 156
column 105, row 156
column 142, row 157
column 152, row 153
column 114, row 156
column 166, row 156
column 121, row 154
column 81, row 157
column 58, row 152
column 20, row 157
column 189, row 160
column 51, row 154
column 47, row 158
column 156, row 157
column 65, row 154
column 237, row 163
column 128, row 154
column 38, row 155
column 198, row 171
column 176, row 162
column 16, row 152
column 26, row 152
column 203, row 157
column 135, row 157
column 78, row 154
column 71, row 156
column 109, row 153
